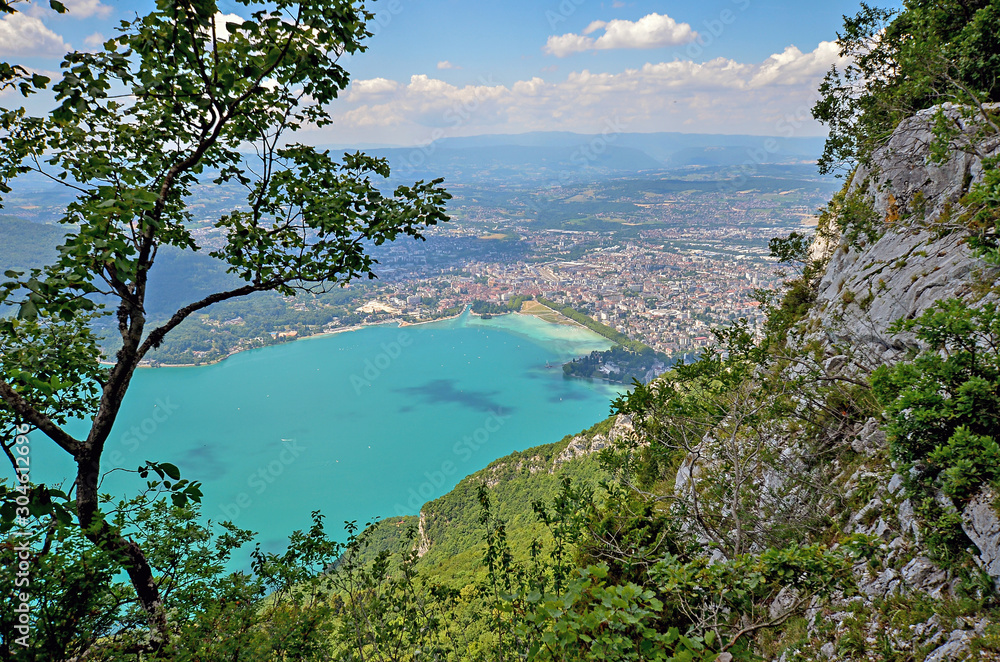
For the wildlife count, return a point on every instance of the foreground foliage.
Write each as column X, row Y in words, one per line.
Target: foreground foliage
column 165, row 105
column 943, row 412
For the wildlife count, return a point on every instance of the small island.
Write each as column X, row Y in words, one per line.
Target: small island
column 619, row 365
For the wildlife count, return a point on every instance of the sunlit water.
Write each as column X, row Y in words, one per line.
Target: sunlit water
column 362, row 424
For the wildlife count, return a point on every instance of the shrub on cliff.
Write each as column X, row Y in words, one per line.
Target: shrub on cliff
column 943, row 408
column 943, row 412
column 928, row 53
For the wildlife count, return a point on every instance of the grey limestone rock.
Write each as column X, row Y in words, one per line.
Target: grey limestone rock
column 580, row 445
column 908, row 519
column 886, row 583
column 783, row 602
column 834, row 364
column 956, row 648
column 870, row 439
column 981, row 523
column 909, row 267
column 895, row 484
column 577, row 446
column 920, row 574
column 423, row 540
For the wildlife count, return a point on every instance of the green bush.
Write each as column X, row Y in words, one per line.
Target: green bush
column 943, row 411
column 983, row 203
column 943, row 408
column 903, row 61
column 966, row 461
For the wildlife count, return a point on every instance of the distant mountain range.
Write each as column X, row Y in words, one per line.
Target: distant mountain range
column 558, row 157
column 564, row 156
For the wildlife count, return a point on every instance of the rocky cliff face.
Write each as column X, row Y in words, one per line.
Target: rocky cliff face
column 892, row 245
column 897, row 267
column 870, row 283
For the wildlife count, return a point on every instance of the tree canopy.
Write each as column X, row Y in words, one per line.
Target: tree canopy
column 178, row 98
column 930, row 52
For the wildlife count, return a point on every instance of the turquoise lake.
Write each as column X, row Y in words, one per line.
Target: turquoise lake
column 361, row 424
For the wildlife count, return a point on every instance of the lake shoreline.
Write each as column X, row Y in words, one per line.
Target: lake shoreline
column 359, row 425
column 357, row 327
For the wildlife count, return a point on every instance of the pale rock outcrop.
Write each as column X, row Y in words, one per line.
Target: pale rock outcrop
column 580, row 445
column 423, row 541
column 577, row 447
column 982, row 524
column 920, row 574
column 866, row 286
column 908, row 520
column 956, row 647
column 870, row 440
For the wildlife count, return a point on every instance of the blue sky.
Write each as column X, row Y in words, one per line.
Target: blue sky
column 453, row 67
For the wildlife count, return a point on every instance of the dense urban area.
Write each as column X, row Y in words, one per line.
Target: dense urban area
column 659, row 259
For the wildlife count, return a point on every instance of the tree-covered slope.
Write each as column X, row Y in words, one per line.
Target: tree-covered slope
column 25, row 245
column 448, row 532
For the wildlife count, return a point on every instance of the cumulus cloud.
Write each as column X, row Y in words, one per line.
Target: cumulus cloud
column 363, row 90
column 94, row 41
column 651, row 31
column 567, row 44
column 220, row 20
column 793, row 67
column 718, row 96
column 22, row 35
column 87, row 8
column 445, row 64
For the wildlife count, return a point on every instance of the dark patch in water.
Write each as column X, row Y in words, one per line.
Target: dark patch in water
column 443, row 390
column 203, row 461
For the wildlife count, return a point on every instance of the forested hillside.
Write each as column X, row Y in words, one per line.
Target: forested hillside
column 24, row 244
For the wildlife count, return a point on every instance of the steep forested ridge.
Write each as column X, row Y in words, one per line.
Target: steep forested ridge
column 24, row 244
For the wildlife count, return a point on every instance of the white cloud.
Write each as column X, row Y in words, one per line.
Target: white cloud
column 220, row 20
column 718, row 96
column 568, row 44
column 650, row 31
column 362, row 90
column 792, row 67
column 23, row 36
column 445, row 64
column 95, row 40
column 87, row 8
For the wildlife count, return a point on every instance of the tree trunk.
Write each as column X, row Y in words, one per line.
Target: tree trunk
column 128, row 553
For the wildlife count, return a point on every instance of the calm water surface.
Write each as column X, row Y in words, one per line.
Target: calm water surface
column 360, row 424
